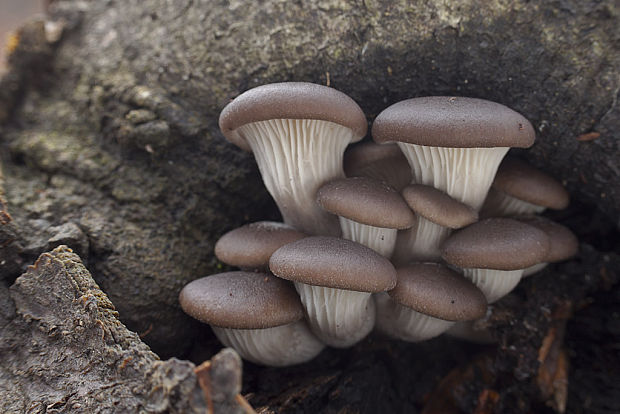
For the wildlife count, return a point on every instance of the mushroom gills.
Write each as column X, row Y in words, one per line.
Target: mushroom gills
column 295, row 157
column 465, row 174
column 338, row 317
column 279, row 346
column 422, row 242
column 499, row 204
column 495, row 284
column 380, row 239
column 401, row 322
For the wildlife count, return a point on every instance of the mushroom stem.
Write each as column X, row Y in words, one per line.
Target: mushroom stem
column 279, row 346
column 499, row 204
column 534, row 269
column 379, row 239
column 401, row 322
column 421, row 243
column 338, row 317
column 465, row 174
column 495, row 284
column 295, row 157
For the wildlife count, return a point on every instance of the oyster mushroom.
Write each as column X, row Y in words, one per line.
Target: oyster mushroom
column 370, row 211
column 249, row 247
column 298, row 133
column 437, row 215
column 494, row 252
column 257, row 314
column 454, row 144
column 427, row 300
column 335, row 279
column 382, row 162
column 520, row 189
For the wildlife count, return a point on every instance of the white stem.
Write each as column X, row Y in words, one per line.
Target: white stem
column 500, row 204
column 465, row 174
column 420, row 243
column 379, row 239
column 340, row 318
column 295, row 158
column 401, row 322
column 495, row 284
column 279, row 346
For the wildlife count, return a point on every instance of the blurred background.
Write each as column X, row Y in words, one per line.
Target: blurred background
column 12, row 14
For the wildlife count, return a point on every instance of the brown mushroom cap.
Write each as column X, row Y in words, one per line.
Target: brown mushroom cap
column 241, row 300
column 442, row 121
column 438, row 207
column 520, row 180
column 496, row 243
column 335, row 263
column 252, row 245
column 291, row 100
column 435, row 290
column 356, row 157
column 366, row 201
column 563, row 244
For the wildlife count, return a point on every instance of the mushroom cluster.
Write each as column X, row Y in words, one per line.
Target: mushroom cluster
column 386, row 236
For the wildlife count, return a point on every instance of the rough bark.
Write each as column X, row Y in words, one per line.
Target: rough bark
column 109, row 142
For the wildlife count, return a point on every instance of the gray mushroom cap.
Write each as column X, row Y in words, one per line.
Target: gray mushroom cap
column 334, row 263
column 443, row 121
column 496, row 243
column 366, row 201
column 520, row 180
column 563, row 243
column 291, row 100
column 438, row 207
column 252, row 245
column 241, row 300
column 437, row 291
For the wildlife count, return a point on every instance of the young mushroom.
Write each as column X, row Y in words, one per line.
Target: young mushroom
column 437, row 215
column 494, row 252
column 563, row 243
column 454, row 144
column 335, row 279
column 427, row 300
column 520, row 189
column 298, row 133
column 370, row 211
column 249, row 247
column 382, row 162
column 257, row 314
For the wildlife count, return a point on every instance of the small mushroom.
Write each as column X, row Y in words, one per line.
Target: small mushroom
column 249, row 247
column 494, row 252
column 427, row 300
column 520, row 189
column 257, row 314
column 382, row 162
column 298, row 133
column 370, row 211
column 454, row 144
column 335, row 278
column 563, row 244
column 437, row 215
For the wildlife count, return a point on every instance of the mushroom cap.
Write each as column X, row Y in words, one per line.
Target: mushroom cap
column 443, row 121
column 366, row 201
column 252, row 245
column 335, row 263
column 496, row 243
column 438, row 207
column 435, row 290
column 563, row 243
column 291, row 100
column 241, row 300
column 365, row 153
column 520, row 180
